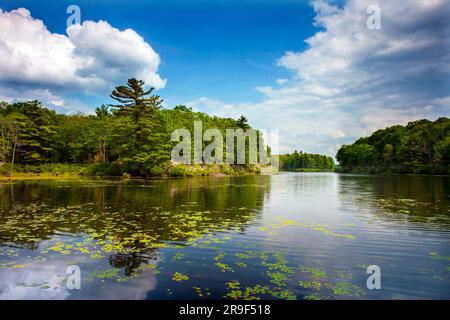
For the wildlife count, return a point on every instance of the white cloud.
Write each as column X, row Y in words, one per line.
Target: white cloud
column 281, row 81
column 93, row 57
column 111, row 54
column 352, row 80
column 51, row 100
column 53, row 274
column 209, row 105
column 59, row 102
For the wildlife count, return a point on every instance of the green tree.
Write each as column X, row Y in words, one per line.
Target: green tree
column 147, row 151
column 242, row 123
column 388, row 153
column 301, row 161
column 419, row 147
column 15, row 133
column 102, row 112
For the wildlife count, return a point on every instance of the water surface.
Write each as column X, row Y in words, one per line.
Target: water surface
column 288, row 236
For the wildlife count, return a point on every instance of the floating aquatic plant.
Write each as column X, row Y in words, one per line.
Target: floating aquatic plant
column 179, row 277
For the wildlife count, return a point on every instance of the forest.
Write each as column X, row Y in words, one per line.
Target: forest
column 306, row 162
column 420, row 147
column 132, row 137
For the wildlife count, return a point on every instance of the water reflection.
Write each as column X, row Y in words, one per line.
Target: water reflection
column 123, row 223
column 415, row 199
column 289, row 236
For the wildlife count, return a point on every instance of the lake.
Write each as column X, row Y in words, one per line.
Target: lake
column 287, row 236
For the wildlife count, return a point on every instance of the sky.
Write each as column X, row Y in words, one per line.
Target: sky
column 311, row 69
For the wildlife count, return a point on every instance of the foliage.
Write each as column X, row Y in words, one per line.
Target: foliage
column 131, row 137
column 242, row 123
column 300, row 161
column 26, row 132
column 182, row 170
column 421, row 147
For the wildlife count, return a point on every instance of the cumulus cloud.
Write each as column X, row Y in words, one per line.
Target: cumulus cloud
column 92, row 57
column 351, row 80
column 108, row 53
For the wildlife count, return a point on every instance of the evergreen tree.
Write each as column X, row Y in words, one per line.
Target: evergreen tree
column 102, row 112
column 242, row 123
column 147, row 152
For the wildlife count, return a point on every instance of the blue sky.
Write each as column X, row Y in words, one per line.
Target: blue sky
column 311, row 69
column 214, row 48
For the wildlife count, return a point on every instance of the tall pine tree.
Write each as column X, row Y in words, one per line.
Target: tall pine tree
column 147, row 152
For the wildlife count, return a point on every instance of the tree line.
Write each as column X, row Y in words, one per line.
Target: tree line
column 301, row 161
column 420, row 147
column 132, row 136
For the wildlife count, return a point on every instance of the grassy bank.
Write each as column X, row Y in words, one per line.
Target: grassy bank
column 45, row 171
column 67, row 171
column 175, row 170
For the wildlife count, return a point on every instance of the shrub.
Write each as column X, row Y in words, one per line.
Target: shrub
column 5, row 169
column 156, row 171
column 180, row 171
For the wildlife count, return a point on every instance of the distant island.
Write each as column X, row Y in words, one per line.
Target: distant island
column 420, row 147
column 306, row 162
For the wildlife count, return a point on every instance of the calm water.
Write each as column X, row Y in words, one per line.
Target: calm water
column 289, row 236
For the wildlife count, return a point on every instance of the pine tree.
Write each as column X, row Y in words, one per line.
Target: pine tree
column 102, row 112
column 147, row 151
column 242, row 123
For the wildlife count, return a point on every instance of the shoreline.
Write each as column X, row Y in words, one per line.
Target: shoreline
column 39, row 177
column 75, row 177
column 23, row 177
column 49, row 176
column 66, row 172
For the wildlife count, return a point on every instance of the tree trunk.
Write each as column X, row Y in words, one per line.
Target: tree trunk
column 13, row 154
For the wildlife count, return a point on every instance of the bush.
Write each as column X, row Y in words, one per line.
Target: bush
column 113, row 169
column 226, row 169
column 121, row 169
column 126, row 176
column 156, row 171
column 51, row 169
column 180, row 171
column 5, row 169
